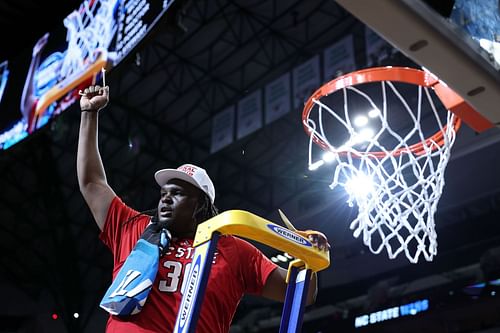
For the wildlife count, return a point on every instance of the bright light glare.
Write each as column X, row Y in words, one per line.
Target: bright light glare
column 76, row 315
column 366, row 134
column 328, row 156
column 360, row 121
column 373, row 113
column 359, row 186
column 316, row 165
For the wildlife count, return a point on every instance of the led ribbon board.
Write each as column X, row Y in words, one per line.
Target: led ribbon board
column 392, row 313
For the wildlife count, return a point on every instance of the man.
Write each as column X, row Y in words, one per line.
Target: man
column 187, row 198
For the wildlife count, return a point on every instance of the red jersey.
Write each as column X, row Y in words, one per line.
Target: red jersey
column 238, row 268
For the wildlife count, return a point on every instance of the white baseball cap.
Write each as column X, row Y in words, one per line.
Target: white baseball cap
column 189, row 173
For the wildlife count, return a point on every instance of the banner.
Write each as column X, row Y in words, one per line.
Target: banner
column 249, row 114
column 306, row 79
column 278, row 96
column 222, row 129
column 338, row 59
column 377, row 48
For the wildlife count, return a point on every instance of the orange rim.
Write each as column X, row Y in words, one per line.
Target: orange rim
column 398, row 74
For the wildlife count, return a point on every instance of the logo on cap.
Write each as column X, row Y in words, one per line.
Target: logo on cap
column 187, row 169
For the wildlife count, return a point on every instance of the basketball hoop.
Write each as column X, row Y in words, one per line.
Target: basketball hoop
column 388, row 152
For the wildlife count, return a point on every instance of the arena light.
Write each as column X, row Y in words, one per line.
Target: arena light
column 360, row 186
column 373, row 113
column 282, row 258
column 328, row 157
column 360, row 121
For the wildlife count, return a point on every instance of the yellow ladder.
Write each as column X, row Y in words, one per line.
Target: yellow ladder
column 250, row 226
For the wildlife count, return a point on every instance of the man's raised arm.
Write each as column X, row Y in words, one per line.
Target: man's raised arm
column 90, row 170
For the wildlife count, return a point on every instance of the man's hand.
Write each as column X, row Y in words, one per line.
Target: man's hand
column 318, row 239
column 275, row 287
column 94, row 98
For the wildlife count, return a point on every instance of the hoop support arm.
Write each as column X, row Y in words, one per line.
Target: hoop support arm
column 456, row 104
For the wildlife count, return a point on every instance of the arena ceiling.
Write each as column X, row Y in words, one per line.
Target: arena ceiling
column 200, row 60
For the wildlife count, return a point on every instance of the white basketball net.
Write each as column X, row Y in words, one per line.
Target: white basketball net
column 396, row 192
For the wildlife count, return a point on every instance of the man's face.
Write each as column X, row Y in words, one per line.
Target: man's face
column 178, row 200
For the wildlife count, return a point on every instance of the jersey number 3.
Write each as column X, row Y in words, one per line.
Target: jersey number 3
column 174, row 276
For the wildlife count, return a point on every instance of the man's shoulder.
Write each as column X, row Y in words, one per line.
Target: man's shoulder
column 119, row 204
column 120, row 212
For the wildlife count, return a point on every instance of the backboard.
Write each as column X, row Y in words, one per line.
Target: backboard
column 462, row 49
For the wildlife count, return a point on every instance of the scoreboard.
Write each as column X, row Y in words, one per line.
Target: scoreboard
column 38, row 85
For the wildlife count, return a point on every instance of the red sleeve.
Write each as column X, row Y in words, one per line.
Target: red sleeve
column 255, row 267
column 122, row 228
